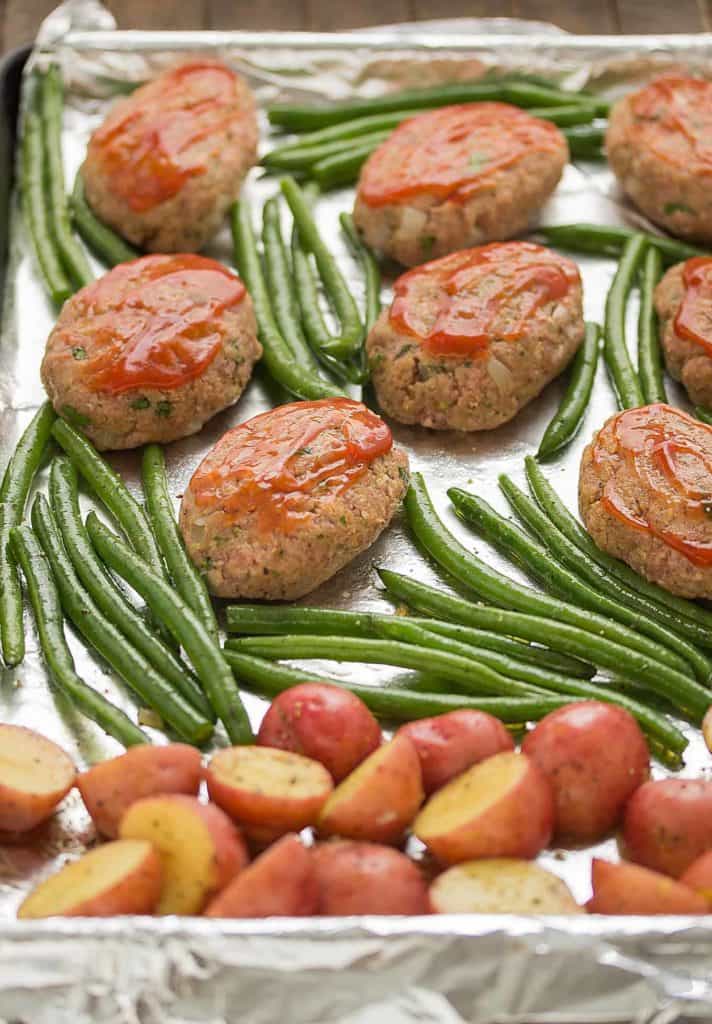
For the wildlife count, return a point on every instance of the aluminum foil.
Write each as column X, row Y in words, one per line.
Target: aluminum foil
column 504, row 969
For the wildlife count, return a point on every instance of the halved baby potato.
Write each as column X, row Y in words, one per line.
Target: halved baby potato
column 123, row 877
column 279, row 883
column 631, row 889
column 35, row 775
column 501, row 886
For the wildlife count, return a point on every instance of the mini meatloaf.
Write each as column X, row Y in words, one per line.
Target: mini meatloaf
column 288, row 498
column 169, row 160
column 471, row 338
column 658, row 144
column 683, row 301
column 151, row 350
column 645, row 493
column 456, row 177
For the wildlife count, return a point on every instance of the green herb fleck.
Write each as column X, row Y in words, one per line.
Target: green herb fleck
column 404, row 349
column 140, row 403
column 376, row 361
column 427, row 242
column 164, row 408
column 78, row 352
column 342, row 520
column 477, row 161
column 671, row 208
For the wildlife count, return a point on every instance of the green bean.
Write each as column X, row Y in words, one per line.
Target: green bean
column 594, row 637
column 106, row 594
column 170, row 608
column 337, row 291
column 105, row 243
column 70, row 251
column 563, row 583
column 277, row 354
column 564, row 521
column 395, row 705
column 106, row 639
column 112, row 491
column 650, row 367
column 704, row 415
column 523, row 94
column 346, row 131
column 469, row 673
column 285, row 305
column 301, row 158
column 406, row 630
column 585, row 141
column 36, row 214
column 342, row 168
column 188, row 581
column 601, row 240
column 48, row 617
column 569, row 415
column 265, row 620
column 568, row 116
column 16, row 483
column 371, row 270
column 631, row 607
column 615, row 350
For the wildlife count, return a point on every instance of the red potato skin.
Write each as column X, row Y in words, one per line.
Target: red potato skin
column 108, row 789
column 668, row 824
column 20, row 812
column 138, row 894
column 699, row 877
column 366, row 878
column 595, row 757
column 630, row 889
column 279, row 883
column 324, row 723
column 449, row 744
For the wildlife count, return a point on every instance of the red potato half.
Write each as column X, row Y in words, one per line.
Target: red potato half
column 501, row 807
column 123, row 877
column 279, row 883
column 35, row 775
column 699, row 877
column 366, row 878
column 595, row 757
column 449, row 744
column 630, row 889
column 501, row 886
column 269, row 792
column 108, row 789
column 668, row 824
column 323, row 722
column 378, row 800
column 200, row 848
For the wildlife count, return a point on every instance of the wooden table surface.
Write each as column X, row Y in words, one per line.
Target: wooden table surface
column 19, row 19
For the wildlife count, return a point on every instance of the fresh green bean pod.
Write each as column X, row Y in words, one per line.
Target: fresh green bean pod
column 631, row 605
column 297, row 159
column 277, row 355
column 70, row 251
column 104, row 243
column 351, row 335
column 342, row 168
column 594, row 638
column 45, row 603
column 188, row 581
column 36, row 213
column 585, row 141
column 268, row 620
column 564, row 521
column 650, row 365
column 615, row 349
column 371, row 270
column 170, row 608
column 469, row 673
column 106, row 639
column 601, row 240
column 110, row 600
column 344, row 132
column 704, row 415
column 674, row 651
column 17, row 480
column 570, row 116
column 569, row 415
column 395, row 705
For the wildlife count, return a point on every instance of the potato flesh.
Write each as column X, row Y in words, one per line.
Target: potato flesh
column 31, row 764
column 502, row 886
column 269, row 772
column 473, row 792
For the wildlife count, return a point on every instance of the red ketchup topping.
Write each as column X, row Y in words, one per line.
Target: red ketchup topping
column 266, row 466
column 694, row 317
column 163, row 331
column 670, row 453
column 674, row 120
column 493, row 290
column 147, row 149
column 453, row 152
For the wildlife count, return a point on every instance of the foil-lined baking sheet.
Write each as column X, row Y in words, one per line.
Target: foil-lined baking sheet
column 475, row 969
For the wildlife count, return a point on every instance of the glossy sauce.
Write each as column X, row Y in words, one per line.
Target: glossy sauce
column 670, row 453
column 164, row 332
column 694, row 317
column 273, row 465
column 454, row 152
column 494, row 288
column 675, row 121
column 146, row 148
